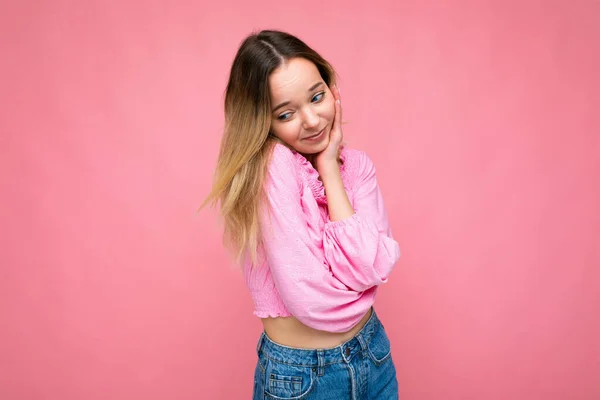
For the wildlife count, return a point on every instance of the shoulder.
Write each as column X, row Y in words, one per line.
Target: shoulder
column 357, row 163
column 281, row 154
column 283, row 169
column 283, row 159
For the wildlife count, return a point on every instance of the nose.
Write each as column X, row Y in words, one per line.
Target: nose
column 310, row 119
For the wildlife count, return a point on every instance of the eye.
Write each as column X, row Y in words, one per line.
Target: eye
column 318, row 97
column 283, row 117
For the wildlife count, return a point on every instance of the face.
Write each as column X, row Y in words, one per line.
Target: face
column 303, row 107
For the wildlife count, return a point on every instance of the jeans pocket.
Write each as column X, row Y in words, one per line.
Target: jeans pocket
column 289, row 382
column 379, row 346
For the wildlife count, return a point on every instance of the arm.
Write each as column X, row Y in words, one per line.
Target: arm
column 338, row 203
column 359, row 248
column 303, row 279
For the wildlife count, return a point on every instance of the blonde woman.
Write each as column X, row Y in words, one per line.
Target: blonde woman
column 305, row 217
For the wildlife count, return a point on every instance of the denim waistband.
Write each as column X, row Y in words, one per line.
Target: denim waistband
column 320, row 357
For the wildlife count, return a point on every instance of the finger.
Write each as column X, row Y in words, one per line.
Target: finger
column 338, row 113
column 335, row 91
column 337, row 120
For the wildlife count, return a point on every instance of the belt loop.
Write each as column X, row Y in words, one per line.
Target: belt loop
column 260, row 342
column 321, row 363
column 362, row 342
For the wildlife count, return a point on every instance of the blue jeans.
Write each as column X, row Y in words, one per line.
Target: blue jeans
column 359, row 369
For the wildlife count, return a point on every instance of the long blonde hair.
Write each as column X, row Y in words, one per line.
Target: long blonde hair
column 246, row 143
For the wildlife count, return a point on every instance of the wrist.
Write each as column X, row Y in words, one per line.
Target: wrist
column 330, row 167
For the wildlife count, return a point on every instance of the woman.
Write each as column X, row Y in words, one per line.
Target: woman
column 305, row 216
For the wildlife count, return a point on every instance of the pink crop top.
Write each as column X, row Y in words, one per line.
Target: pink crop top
column 323, row 273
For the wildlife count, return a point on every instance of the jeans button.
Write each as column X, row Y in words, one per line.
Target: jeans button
column 348, row 350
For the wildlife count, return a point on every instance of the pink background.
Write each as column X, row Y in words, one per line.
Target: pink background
column 482, row 118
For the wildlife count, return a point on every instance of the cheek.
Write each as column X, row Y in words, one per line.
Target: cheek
column 329, row 109
column 286, row 131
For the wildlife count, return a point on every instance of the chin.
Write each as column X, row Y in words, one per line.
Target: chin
column 313, row 149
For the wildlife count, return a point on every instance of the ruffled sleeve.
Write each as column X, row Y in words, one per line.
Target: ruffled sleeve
column 306, row 285
column 361, row 250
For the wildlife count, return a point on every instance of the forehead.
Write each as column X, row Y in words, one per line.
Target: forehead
column 294, row 77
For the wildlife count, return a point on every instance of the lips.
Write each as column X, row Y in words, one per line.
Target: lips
column 315, row 135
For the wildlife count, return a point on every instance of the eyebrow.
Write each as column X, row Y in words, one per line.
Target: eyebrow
column 285, row 103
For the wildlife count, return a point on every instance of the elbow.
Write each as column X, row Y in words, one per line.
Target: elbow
column 388, row 255
column 363, row 273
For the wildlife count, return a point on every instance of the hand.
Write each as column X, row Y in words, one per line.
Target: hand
column 329, row 156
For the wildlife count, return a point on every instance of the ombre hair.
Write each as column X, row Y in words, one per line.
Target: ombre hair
column 246, row 144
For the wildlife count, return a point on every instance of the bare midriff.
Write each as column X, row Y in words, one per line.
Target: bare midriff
column 288, row 331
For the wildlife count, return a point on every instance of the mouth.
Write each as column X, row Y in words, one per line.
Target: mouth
column 316, row 136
